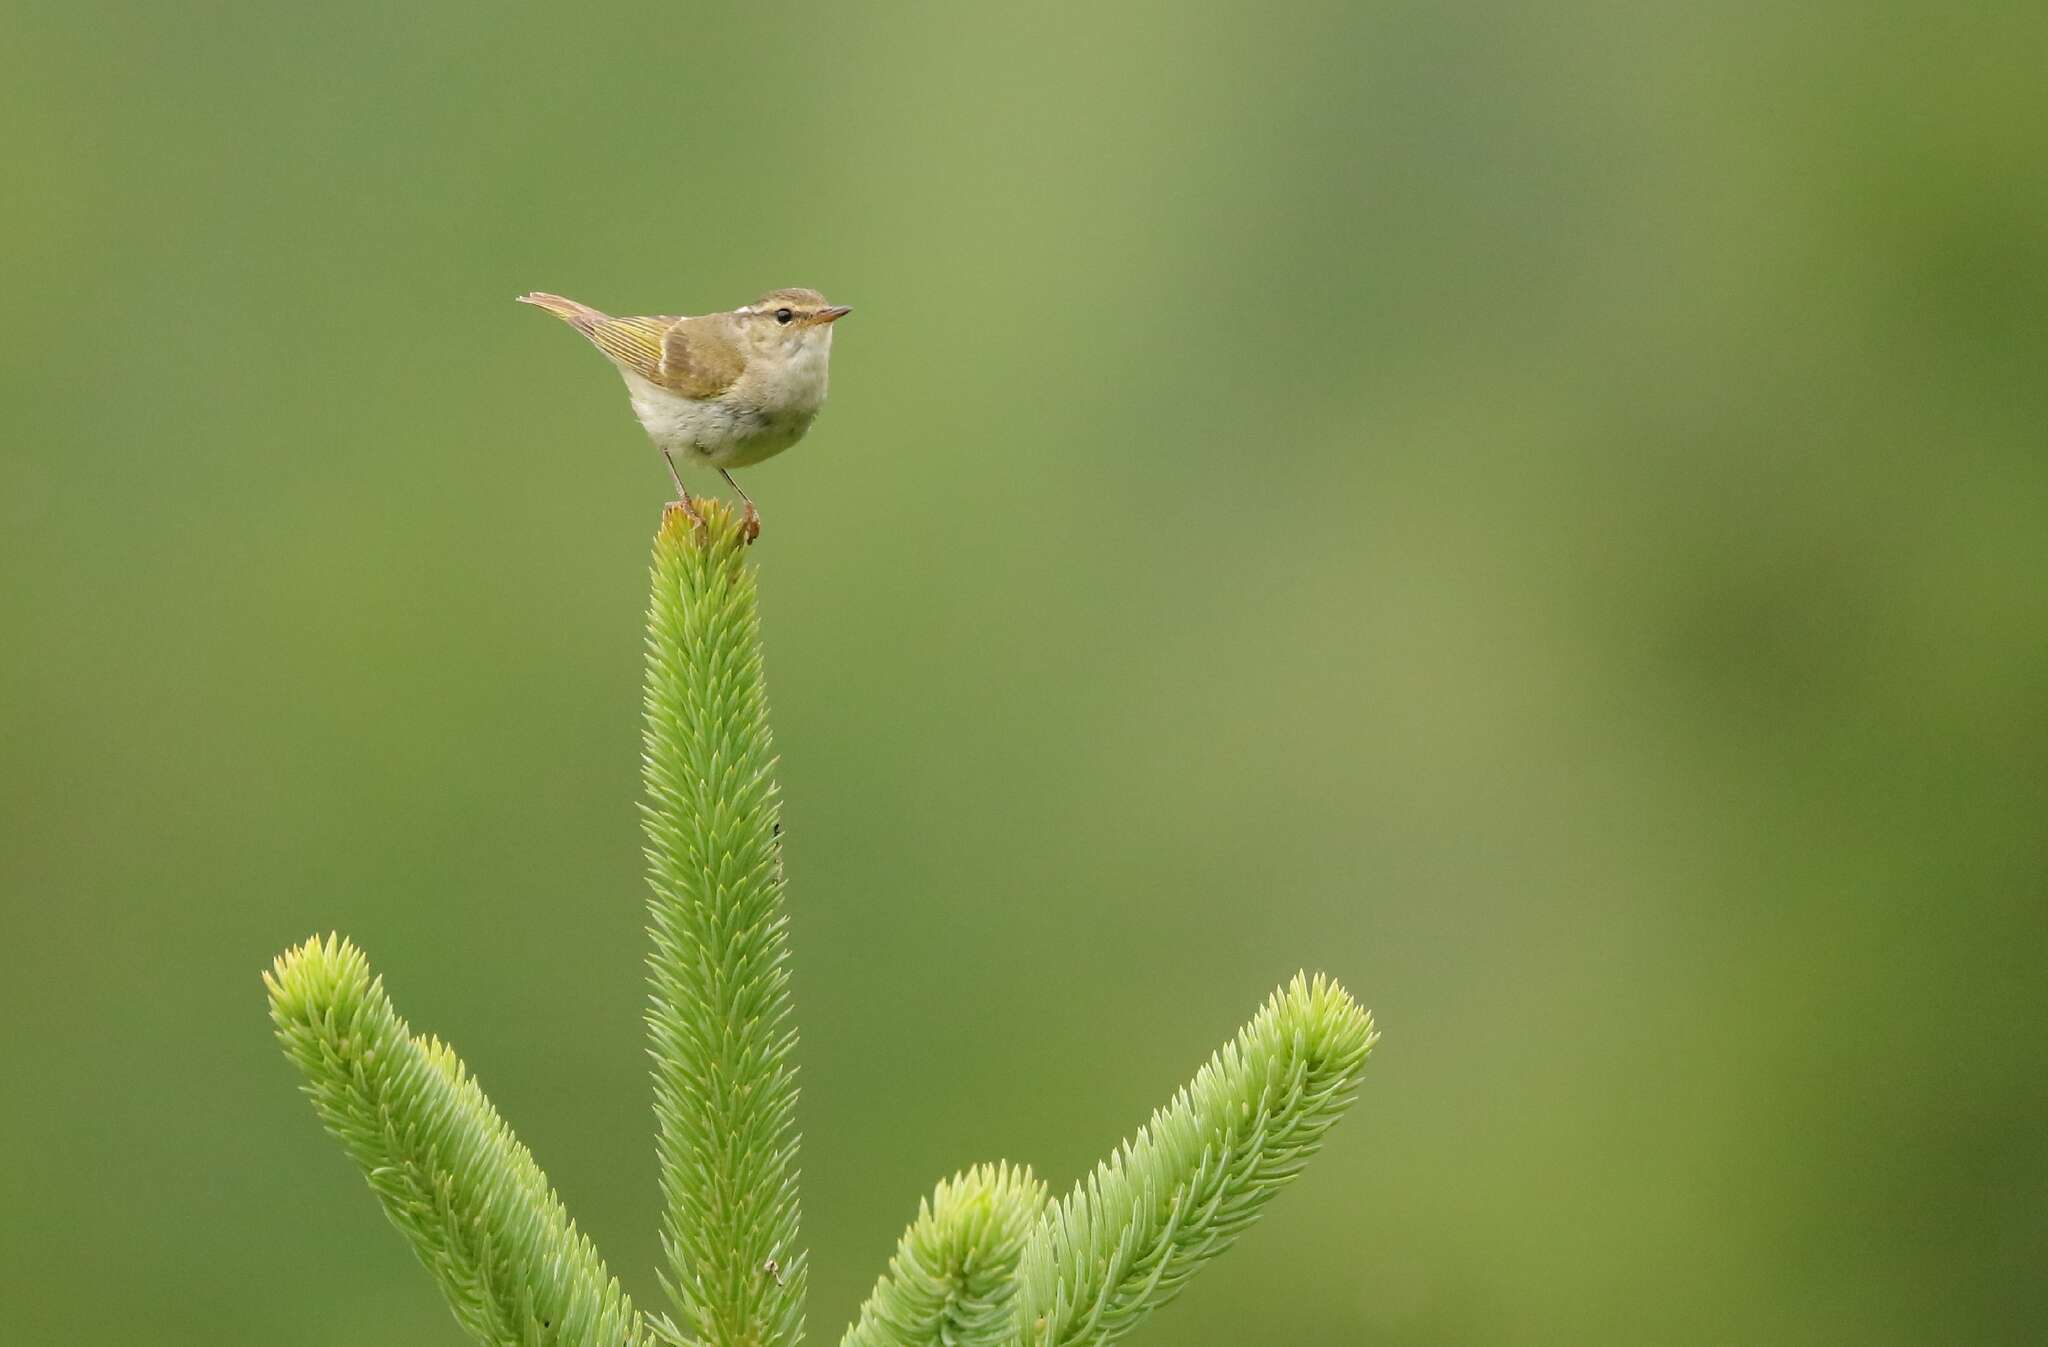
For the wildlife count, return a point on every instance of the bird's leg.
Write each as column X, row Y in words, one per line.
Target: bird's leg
column 750, row 526
column 682, row 492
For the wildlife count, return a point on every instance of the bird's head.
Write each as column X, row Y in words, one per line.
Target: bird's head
column 788, row 321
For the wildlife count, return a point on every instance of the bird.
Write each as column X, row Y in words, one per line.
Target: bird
column 725, row 390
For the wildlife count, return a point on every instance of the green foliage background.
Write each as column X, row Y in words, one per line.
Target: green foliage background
column 1539, row 511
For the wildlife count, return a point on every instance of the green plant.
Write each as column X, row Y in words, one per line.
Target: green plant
column 989, row 1261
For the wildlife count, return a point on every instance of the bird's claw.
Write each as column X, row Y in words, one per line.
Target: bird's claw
column 688, row 508
column 750, row 524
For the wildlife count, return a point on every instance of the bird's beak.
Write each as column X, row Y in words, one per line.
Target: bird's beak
column 833, row 314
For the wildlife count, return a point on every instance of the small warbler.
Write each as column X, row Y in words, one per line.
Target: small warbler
column 724, row 389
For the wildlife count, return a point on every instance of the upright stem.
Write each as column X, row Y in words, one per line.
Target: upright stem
column 720, row 1019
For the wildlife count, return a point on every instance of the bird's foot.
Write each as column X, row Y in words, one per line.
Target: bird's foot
column 688, row 508
column 750, row 524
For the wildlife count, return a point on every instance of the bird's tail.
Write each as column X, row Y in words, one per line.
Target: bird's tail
column 579, row 316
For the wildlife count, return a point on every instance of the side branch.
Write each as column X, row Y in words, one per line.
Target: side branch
column 455, row 1181
column 954, row 1276
column 1127, row 1239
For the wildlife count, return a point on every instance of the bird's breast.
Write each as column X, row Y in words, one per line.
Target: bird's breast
column 795, row 384
column 754, row 419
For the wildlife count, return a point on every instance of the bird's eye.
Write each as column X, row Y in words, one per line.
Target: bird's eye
column 783, row 316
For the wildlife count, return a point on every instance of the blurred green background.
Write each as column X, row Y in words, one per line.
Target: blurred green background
column 1542, row 513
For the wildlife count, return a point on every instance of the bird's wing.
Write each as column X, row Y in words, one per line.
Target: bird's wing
column 631, row 343
column 696, row 357
column 700, row 357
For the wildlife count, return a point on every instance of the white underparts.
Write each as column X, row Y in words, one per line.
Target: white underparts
column 767, row 409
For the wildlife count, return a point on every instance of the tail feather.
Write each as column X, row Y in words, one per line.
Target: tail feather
column 579, row 316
